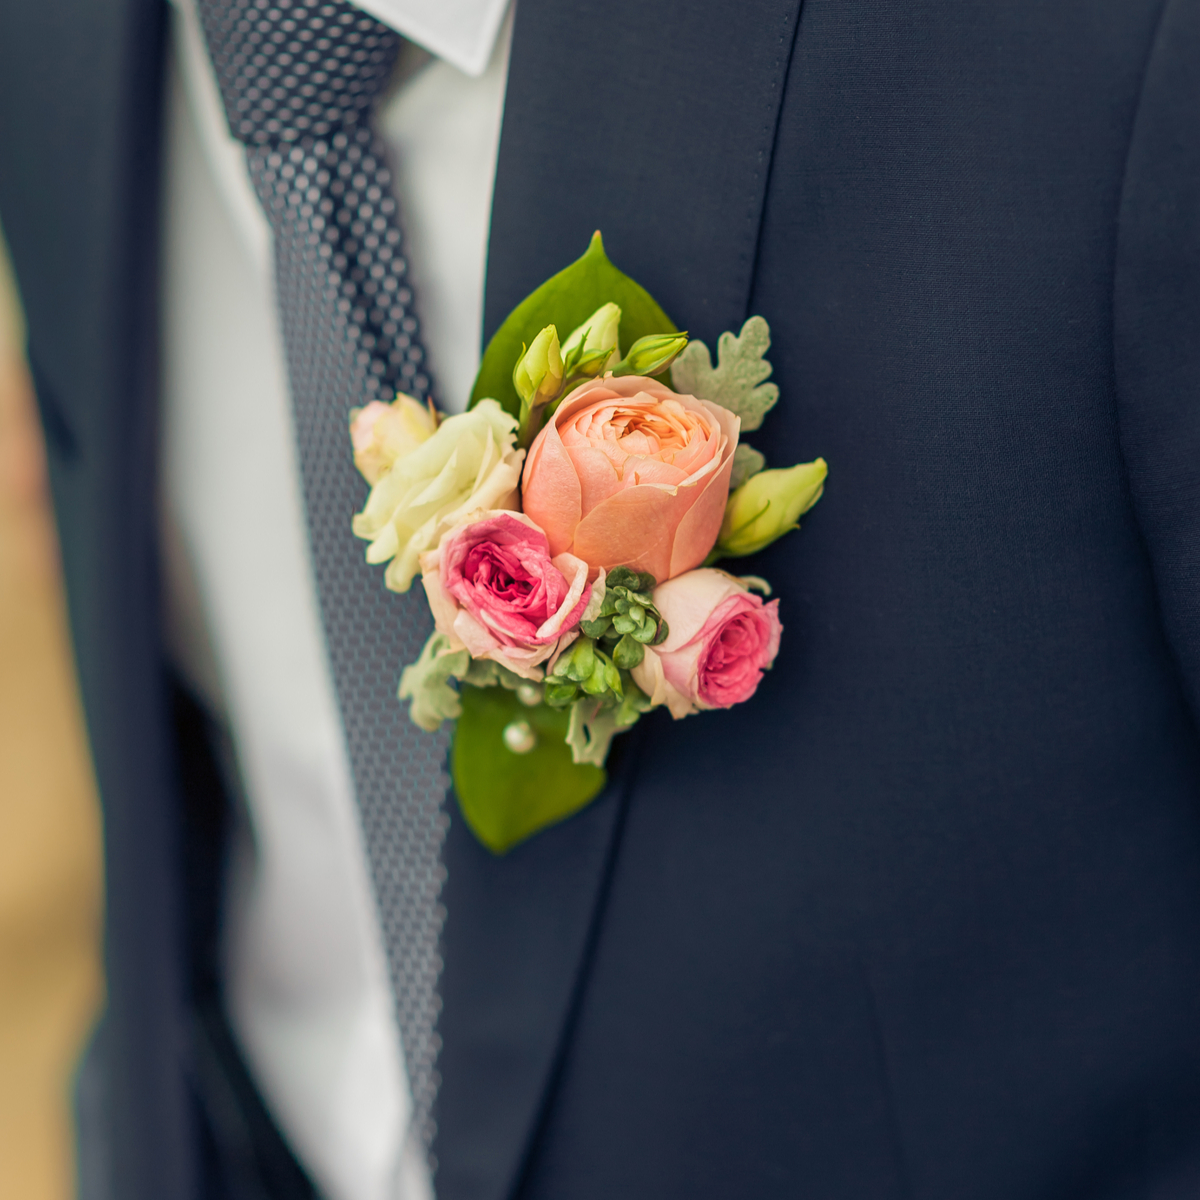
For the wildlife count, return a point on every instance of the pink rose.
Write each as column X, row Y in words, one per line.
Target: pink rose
column 495, row 590
column 721, row 640
column 629, row 474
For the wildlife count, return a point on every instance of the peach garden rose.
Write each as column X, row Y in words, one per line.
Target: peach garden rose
column 630, row 473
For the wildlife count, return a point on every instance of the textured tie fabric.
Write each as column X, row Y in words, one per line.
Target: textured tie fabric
column 299, row 80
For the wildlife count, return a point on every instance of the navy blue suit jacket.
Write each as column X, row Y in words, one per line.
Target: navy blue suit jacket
column 922, row 920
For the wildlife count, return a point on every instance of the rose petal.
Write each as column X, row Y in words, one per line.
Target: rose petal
column 441, row 605
column 572, row 606
column 598, row 477
column 551, row 495
column 648, row 675
column 633, row 528
column 697, row 532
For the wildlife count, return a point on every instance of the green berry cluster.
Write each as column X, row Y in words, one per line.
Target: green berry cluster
column 628, row 621
column 584, row 671
column 582, row 667
column 598, row 663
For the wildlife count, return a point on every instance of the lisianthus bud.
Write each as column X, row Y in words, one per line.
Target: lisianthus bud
column 598, row 332
column 589, row 351
column 767, row 506
column 539, row 371
column 652, row 354
column 382, row 433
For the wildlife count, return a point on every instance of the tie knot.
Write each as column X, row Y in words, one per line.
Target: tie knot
column 291, row 69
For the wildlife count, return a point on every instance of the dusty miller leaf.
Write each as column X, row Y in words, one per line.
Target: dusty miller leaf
column 591, row 731
column 594, row 722
column 736, row 383
column 427, row 683
column 747, row 462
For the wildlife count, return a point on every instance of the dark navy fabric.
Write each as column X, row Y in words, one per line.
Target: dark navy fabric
column 922, row 920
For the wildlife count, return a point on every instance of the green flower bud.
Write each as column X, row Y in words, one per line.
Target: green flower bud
column 652, row 354
column 628, row 653
column 558, row 693
column 578, row 661
column 595, row 629
column 598, row 332
column 631, row 706
column 623, row 577
column 538, row 374
column 767, row 506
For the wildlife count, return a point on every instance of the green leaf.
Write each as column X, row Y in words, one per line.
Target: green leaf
column 747, row 462
column 558, row 693
column 566, row 300
column 633, row 704
column 577, row 662
column 737, row 382
column 506, row 797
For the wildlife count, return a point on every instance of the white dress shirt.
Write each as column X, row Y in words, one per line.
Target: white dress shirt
column 306, row 974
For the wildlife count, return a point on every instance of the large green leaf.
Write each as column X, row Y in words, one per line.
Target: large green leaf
column 566, row 300
column 507, row 797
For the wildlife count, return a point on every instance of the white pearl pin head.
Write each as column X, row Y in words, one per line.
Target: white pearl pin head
column 519, row 737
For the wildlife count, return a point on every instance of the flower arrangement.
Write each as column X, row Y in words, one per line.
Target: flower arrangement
column 565, row 530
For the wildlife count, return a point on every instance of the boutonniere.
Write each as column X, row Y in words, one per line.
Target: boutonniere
column 566, row 530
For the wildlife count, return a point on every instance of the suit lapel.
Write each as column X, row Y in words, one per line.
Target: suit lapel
column 653, row 122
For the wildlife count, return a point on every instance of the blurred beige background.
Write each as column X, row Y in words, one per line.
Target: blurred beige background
column 50, row 865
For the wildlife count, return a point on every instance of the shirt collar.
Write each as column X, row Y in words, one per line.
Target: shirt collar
column 462, row 32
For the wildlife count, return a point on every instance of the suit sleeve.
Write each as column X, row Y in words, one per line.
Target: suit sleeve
column 1156, row 327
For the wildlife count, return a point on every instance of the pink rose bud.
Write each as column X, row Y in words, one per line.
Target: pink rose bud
column 628, row 473
column 495, row 590
column 381, row 433
column 722, row 638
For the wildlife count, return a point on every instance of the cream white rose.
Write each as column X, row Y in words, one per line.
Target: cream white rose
column 470, row 462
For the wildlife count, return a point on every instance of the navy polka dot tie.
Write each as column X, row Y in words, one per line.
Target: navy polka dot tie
column 299, row 81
